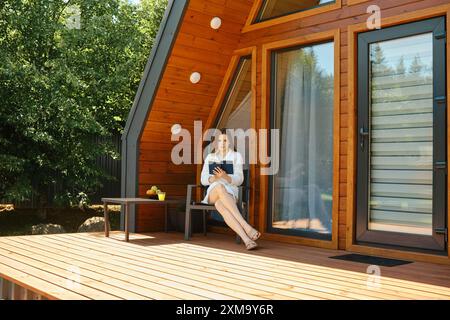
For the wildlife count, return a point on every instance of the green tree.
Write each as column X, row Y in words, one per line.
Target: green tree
column 401, row 69
column 69, row 70
column 416, row 65
column 378, row 60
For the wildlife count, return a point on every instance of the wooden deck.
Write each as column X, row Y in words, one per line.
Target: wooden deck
column 164, row 266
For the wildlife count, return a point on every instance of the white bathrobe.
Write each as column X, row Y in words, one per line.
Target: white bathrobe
column 236, row 178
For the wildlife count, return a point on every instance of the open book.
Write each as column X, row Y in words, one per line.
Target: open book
column 224, row 165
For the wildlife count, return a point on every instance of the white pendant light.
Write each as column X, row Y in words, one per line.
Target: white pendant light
column 195, row 77
column 175, row 129
column 216, row 22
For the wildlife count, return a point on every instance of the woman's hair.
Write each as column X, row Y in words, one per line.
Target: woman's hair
column 223, row 131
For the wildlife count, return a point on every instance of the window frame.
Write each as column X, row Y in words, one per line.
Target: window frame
column 252, row 25
column 258, row 20
column 355, row 2
column 267, row 118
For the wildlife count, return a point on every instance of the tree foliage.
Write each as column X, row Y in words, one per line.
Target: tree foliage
column 69, row 71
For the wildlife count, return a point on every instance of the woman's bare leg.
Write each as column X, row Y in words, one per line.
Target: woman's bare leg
column 231, row 221
column 220, row 193
column 214, row 194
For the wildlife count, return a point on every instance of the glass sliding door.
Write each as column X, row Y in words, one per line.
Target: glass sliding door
column 402, row 136
column 302, row 92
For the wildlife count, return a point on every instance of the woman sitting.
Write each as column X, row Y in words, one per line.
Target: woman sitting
column 223, row 189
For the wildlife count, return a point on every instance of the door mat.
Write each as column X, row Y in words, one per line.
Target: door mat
column 379, row 261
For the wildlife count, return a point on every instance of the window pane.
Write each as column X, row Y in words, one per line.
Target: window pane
column 303, row 112
column 401, row 120
column 276, row 8
column 236, row 111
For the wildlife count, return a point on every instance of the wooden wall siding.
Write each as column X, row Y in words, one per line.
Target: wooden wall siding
column 341, row 18
column 197, row 48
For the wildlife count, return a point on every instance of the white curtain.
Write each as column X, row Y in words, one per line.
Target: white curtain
column 240, row 118
column 305, row 120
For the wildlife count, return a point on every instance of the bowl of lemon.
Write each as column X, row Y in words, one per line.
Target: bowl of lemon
column 152, row 193
column 155, row 193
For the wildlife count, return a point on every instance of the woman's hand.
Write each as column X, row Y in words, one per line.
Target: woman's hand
column 221, row 174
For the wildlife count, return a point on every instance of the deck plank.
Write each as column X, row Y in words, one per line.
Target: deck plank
column 281, row 276
column 103, row 263
column 39, row 286
column 138, row 276
column 242, row 271
column 174, row 281
column 295, row 275
column 121, row 286
column 291, row 254
column 192, row 283
column 204, row 275
column 38, row 271
column 164, row 266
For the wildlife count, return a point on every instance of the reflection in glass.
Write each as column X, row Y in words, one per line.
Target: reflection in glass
column 276, row 8
column 303, row 111
column 401, row 121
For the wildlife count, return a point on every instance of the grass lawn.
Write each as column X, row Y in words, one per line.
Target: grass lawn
column 19, row 221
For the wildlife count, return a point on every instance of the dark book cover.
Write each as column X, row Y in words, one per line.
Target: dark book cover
column 225, row 166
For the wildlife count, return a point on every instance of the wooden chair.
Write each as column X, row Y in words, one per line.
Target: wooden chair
column 193, row 205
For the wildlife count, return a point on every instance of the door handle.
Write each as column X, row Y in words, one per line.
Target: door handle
column 363, row 134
